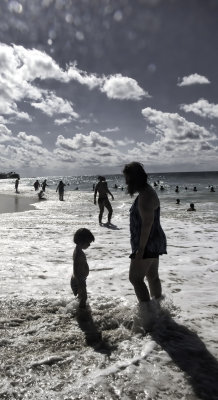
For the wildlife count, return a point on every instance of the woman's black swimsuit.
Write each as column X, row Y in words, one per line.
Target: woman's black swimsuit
column 156, row 244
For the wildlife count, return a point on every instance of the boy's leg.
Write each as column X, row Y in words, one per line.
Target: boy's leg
column 82, row 293
column 74, row 285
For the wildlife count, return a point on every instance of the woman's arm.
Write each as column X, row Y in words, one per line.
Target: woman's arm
column 108, row 191
column 146, row 211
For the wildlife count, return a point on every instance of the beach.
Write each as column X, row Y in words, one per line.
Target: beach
column 51, row 350
column 15, row 203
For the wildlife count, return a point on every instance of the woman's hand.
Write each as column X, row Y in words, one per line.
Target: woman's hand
column 139, row 254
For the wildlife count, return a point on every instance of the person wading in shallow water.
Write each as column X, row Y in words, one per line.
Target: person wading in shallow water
column 103, row 201
column 60, row 189
column 83, row 238
column 148, row 239
column 16, row 185
column 44, row 184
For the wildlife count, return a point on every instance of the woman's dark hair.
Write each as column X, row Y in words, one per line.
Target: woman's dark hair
column 83, row 235
column 137, row 177
column 101, row 178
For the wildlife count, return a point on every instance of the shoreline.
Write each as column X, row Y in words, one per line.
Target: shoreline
column 10, row 203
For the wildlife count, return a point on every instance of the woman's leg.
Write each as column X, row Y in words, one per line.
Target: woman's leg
column 153, row 278
column 137, row 272
column 109, row 208
column 101, row 208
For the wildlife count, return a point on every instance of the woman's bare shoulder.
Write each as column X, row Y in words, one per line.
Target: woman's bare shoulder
column 148, row 197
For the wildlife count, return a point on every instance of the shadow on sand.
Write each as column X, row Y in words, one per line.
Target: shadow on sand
column 93, row 335
column 189, row 353
column 110, row 226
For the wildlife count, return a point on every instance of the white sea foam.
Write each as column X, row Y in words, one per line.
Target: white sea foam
column 115, row 349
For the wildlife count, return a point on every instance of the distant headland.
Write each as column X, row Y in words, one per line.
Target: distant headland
column 8, row 175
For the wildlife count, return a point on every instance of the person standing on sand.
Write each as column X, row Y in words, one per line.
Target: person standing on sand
column 17, row 184
column 148, row 239
column 103, row 200
column 60, row 189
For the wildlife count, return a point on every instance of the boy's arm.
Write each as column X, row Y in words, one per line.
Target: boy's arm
column 80, row 273
column 80, row 267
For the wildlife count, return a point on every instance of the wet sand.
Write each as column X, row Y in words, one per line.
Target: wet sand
column 15, row 203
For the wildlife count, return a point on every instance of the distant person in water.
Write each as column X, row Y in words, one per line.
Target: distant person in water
column 162, row 188
column 177, row 201
column 60, row 189
column 44, row 184
column 41, row 195
column 195, row 189
column 16, row 185
column 177, row 189
column 148, row 240
column 103, row 201
column 212, row 189
column 36, row 184
column 192, row 207
column 83, row 238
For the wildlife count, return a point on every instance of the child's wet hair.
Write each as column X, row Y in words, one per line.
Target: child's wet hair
column 83, row 235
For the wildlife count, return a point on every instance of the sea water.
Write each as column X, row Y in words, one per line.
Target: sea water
column 115, row 349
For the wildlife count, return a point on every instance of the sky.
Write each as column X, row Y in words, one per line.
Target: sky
column 87, row 86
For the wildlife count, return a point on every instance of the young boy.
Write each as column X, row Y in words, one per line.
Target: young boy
column 83, row 237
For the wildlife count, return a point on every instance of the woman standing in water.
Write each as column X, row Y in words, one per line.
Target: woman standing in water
column 148, row 239
column 60, row 189
column 102, row 189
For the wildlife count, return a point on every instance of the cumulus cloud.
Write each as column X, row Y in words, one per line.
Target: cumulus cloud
column 63, row 121
column 24, row 152
column 202, row 107
column 5, row 134
column 14, row 84
column 193, row 79
column 82, row 77
column 33, row 63
column 177, row 142
column 3, row 120
column 20, row 67
column 125, row 142
column 80, row 141
column 123, row 88
column 110, row 130
column 29, row 138
column 52, row 104
column 114, row 86
column 174, row 127
column 89, row 151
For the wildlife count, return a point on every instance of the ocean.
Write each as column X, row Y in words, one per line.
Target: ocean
column 115, row 349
